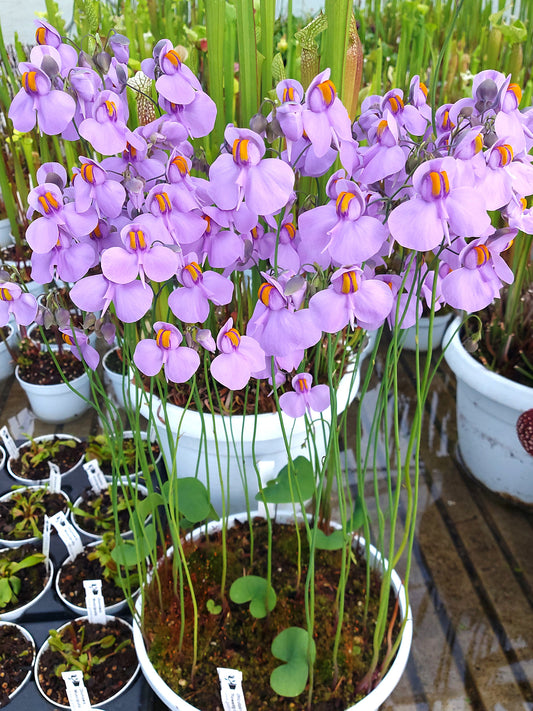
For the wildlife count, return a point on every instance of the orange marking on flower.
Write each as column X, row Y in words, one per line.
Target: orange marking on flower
column 110, row 108
column 240, row 150
column 234, row 336
column 446, row 123
column 5, row 295
column 291, row 229
column 482, row 254
column 194, row 270
column 181, row 165
column 96, row 233
column 423, row 89
column 40, row 35
column 440, row 185
column 68, row 339
column 137, row 239
column 29, row 81
column 396, row 103
column 131, row 150
column 382, row 125
column 208, row 220
column 174, row 58
column 87, row 172
column 478, row 143
column 48, row 202
column 523, row 202
column 516, row 90
column 349, row 283
column 302, row 385
column 506, row 153
column 328, row 91
column 343, row 203
column 163, row 202
column 288, row 93
column 163, row 338
column 264, row 293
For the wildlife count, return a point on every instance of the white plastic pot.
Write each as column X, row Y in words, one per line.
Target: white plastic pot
column 110, row 609
column 10, row 543
column 440, row 324
column 7, row 364
column 42, row 482
column 238, row 441
column 115, row 382
column 15, row 614
column 371, row 702
column 58, row 403
column 107, row 701
column 488, row 407
column 30, row 639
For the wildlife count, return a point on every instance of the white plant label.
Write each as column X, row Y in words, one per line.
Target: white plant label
column 94, row 602
column 231, row 692
column 54, row 486
column 78, row 697
column 96, row 476
column 9, row 443
column 47, row 529
column 67, row 533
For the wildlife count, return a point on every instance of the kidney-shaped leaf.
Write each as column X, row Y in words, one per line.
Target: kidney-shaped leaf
column 285, row 487
column 256, row 591
column 297, row 649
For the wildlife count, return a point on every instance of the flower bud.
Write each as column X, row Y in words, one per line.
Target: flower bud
column 258, row 123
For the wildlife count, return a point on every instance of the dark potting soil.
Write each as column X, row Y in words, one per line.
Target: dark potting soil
column 110, row 671
column 102, row 517
column 32, row 579
column 16, row 659
column 41, row 369
column 65, row 458
column 114, row 362
column 15, row 513
column 230, row 637
column 128, row 453
column 73, row 573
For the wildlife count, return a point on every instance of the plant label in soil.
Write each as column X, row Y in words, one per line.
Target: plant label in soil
column 47, row 530
column 96, row 476
column 94, row 602
column 78, row 697
column 231, row 692
column 55, row 478
column 67, row 533
column 9, row 443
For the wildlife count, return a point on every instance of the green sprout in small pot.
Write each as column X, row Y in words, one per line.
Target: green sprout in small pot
column 22, row 512
column 35, row 456
column 104, row 653
column 98, row 513
column 109, row 451
column 22, row 571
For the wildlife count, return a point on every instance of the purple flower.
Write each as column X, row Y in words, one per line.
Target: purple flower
column 305, row 397
column 92, row 185
column 14, row 301
column 175, row 82
column 240, row 358
column 264, row 183
column 37, row 101
column 440, row 204
column 325, row 119
column 191, row 302
column 106, row 130
column 141, row 255
column 197, row 117
column 120, row 45
column 96, row 293
column 80, row 346
column 179, row 362
column 46, row 35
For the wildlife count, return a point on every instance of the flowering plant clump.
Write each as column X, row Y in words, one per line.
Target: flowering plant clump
column 269, row 264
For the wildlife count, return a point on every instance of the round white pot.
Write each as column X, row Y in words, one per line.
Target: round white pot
column 488, row 407
column 9, row 543
column 110, row 609
column 15, row 614
column 239, row 442
column 371, row 702
column 26, row 635
column 58, row 403
column 7, row 364
column 6, row 238
column 440, row 324
column 94, row 537
column 115, row 382
column 43, row 482
column 107, row 701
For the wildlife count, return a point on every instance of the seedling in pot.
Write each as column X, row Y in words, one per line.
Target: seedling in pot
column 10, row 581
column 43, row 450
column 96, row 513
column 101, row 448
column 25, row 511
column 103, row 553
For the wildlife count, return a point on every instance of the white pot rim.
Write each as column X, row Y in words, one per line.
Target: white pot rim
column 42, row 482
column 371, row 702
column 15, row 614
column 29, row 638
column 9, row 543
column 98, row 537
column 503, row 390
column 53, row 389
column 45, row 645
